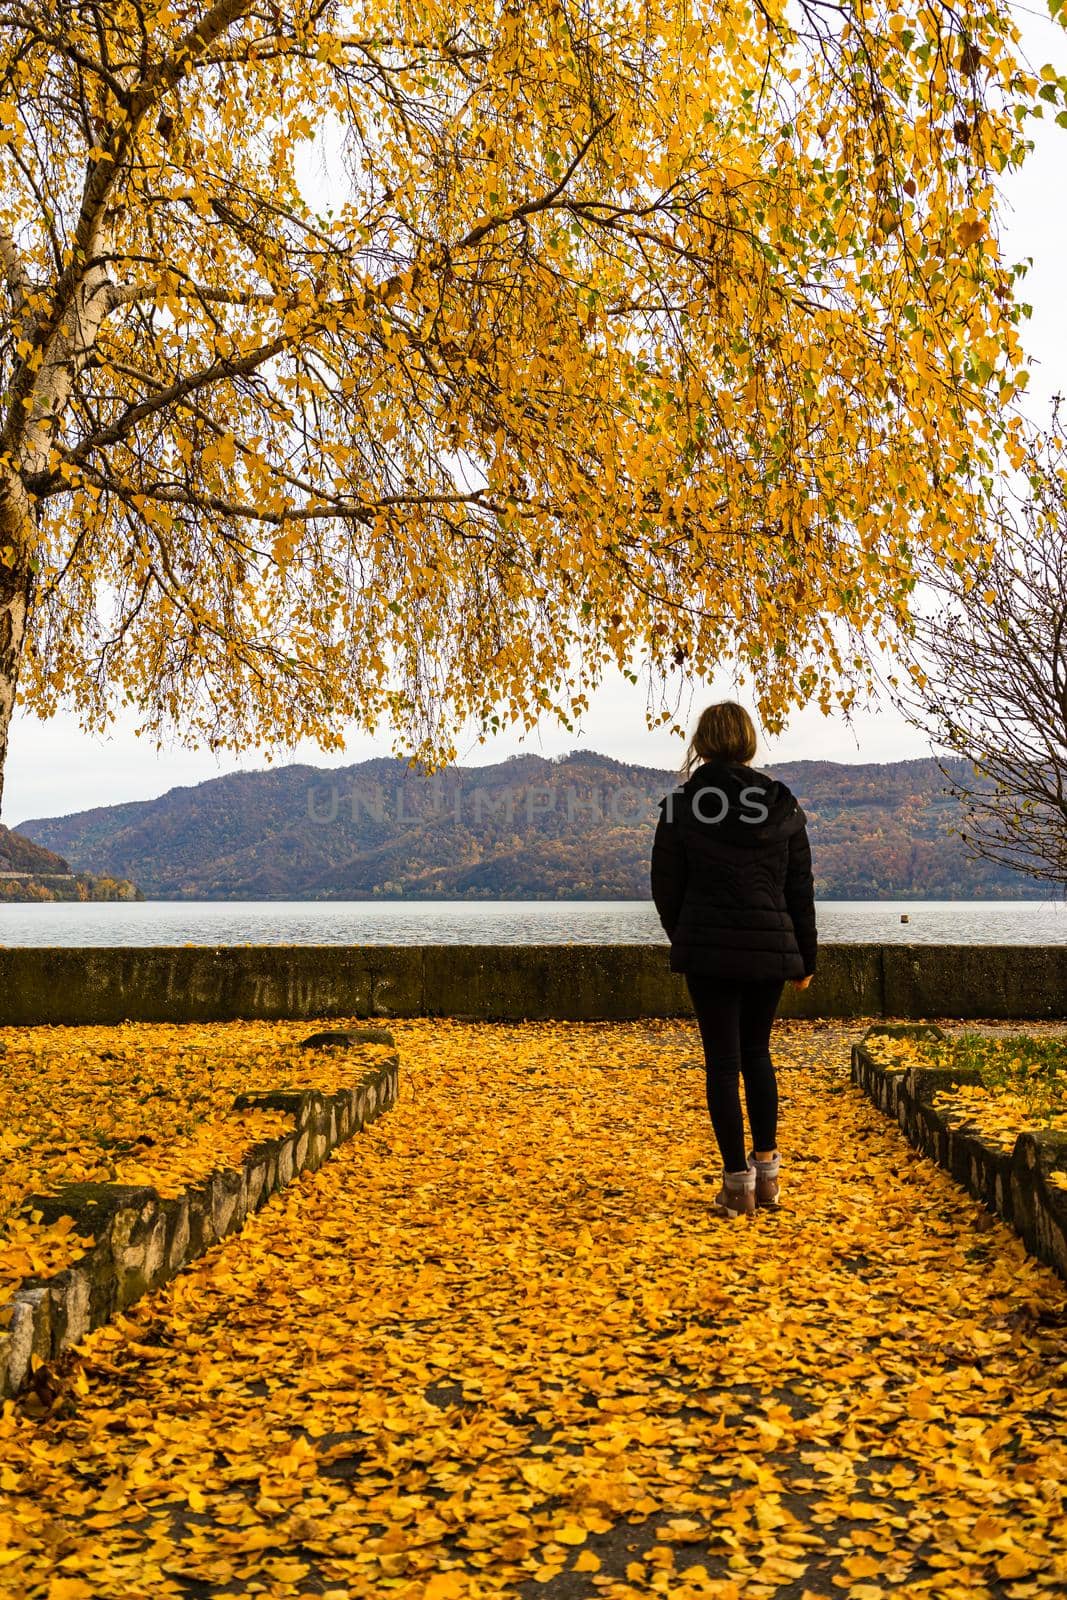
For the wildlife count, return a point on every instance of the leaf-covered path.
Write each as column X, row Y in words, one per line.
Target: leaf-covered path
column 500, row 1346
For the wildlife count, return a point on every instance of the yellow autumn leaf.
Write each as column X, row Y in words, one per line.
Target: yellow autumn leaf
column 1015, row 1564
column 444, row 1586
column 861, row 1566
column 864, row 1509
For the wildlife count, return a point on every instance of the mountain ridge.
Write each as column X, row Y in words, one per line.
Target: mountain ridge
column 576, row 826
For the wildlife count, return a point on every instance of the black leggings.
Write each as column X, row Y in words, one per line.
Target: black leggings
column 735, row 1019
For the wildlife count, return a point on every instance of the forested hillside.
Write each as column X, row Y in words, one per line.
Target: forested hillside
column 577, row 827
column 29, row 872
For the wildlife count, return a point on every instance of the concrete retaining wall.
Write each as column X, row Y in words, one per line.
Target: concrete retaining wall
column 580, row 981
column 1013, row 1184
column 142, row 1240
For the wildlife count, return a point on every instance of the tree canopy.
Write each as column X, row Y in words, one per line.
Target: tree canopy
column 611, row 328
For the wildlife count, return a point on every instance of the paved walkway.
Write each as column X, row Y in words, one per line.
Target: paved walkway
column 499, row 1346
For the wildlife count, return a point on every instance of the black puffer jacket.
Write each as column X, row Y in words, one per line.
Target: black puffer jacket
column 731, row 876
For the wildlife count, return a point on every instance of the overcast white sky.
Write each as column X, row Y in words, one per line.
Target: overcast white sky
column 53, row 768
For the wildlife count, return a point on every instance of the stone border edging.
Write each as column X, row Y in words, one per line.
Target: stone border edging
column 1010, row 1183
column 142, row 1239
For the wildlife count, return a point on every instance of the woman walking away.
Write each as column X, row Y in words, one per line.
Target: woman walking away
column 731, row 879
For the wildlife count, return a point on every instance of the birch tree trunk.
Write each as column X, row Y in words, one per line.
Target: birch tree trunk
column 29, row 431
column 16, row 581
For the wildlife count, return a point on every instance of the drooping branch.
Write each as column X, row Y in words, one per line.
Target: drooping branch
column 327, row 507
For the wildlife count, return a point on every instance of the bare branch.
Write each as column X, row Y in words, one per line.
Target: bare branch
column 988, row 678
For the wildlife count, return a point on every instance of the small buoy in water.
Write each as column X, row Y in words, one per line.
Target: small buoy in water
column 904, row 917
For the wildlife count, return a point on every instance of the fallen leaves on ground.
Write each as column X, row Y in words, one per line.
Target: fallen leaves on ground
column 998, row 1115
column 500, row 1346
column 1023, row 1084
column 138, row 1103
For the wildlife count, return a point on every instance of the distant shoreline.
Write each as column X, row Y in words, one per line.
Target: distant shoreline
column 901, row 898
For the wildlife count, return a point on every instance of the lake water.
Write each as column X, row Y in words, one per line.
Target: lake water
column 170, row 922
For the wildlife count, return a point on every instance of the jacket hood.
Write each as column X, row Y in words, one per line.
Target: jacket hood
column 736, row 803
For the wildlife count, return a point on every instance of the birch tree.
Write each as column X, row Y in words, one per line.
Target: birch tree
column 629, row 328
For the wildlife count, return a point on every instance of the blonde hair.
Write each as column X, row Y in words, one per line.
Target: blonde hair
column 724, row 732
